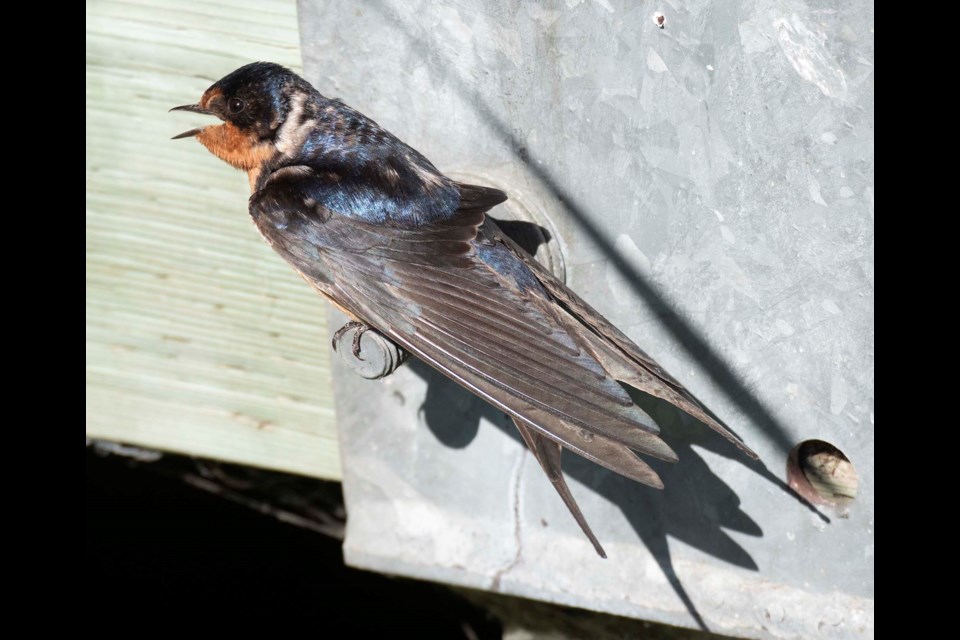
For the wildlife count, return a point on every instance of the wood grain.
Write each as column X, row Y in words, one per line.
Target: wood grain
column 199, row 338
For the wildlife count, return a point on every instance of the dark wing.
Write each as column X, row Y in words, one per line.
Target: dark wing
column 463, row 298
column 620, row 356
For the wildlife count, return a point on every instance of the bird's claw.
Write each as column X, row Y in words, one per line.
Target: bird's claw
column 359, row 328
column 350, row 326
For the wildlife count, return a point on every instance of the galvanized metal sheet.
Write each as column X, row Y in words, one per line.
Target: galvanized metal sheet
column 711, row 188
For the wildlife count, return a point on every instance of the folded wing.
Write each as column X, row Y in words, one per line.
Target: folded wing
column 464, row 298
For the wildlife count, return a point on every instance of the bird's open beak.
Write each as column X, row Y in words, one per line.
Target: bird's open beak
column 194, row 108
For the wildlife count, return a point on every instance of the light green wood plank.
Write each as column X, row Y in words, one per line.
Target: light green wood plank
column 199, row 338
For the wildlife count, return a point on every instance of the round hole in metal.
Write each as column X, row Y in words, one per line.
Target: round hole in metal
column 822, row 474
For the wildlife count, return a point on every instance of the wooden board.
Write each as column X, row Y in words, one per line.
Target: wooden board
column 199, row 338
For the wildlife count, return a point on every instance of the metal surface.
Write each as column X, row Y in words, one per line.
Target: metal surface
column 710, row 184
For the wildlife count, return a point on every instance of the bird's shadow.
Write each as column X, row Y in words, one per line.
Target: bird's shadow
column 696, row 506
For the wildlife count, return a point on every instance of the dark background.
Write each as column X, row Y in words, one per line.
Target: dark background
column 160, row 552
column 177, row 544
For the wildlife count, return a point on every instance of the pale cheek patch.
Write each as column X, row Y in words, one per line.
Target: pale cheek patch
column 293, row 132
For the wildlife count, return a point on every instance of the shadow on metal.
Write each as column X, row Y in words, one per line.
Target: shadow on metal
column 696, row 505
column 722, row 374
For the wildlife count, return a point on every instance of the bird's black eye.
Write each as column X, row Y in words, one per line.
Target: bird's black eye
column 235, row 105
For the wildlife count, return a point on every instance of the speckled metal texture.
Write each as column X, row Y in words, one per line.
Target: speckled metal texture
column 710, row 184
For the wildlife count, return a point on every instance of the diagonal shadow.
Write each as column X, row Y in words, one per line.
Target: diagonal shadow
column 723, row 375
column 696, row 505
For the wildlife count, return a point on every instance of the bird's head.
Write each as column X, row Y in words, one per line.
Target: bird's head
column 253, row 103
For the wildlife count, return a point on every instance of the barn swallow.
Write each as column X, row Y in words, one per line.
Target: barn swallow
column 401, row 248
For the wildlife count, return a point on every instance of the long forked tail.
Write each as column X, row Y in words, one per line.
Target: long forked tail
column 547, row 454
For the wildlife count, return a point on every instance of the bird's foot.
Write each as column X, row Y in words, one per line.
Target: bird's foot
column 360, row 330
column 382, row 355
column 360, row 327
